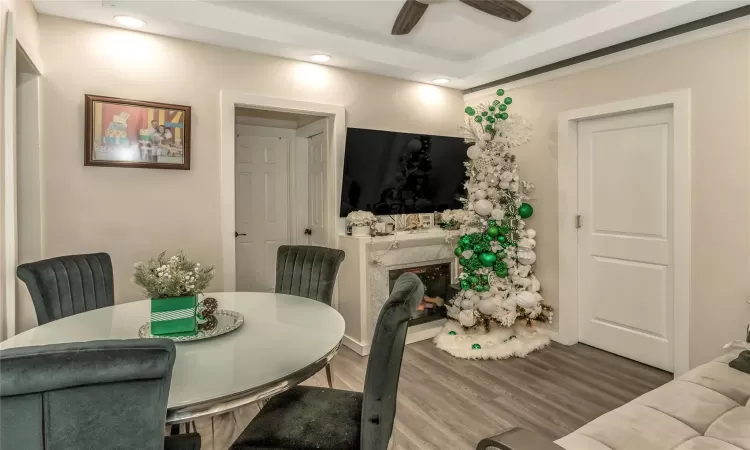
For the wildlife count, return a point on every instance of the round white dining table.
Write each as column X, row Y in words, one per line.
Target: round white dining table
column 285, row 340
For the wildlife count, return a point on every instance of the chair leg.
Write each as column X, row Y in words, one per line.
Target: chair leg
column 329, row 375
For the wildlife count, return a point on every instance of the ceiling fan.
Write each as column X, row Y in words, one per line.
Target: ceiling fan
column 413, row 10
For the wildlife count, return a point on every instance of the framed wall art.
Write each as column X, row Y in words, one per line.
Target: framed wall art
column 133, row 133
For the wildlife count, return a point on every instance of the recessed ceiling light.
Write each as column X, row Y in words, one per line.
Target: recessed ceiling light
column 128, row 21
column 440, row 80
column 320, row 57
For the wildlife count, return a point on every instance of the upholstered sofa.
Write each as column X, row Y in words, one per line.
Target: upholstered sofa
column 707, row 408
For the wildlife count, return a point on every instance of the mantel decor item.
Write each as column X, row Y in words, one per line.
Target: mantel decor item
column 133, row 133
column 361, row 222
column 173, row 285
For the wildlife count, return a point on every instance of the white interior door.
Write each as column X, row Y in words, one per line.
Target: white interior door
column 317, row 188
column 261, row 204
column 625, row 241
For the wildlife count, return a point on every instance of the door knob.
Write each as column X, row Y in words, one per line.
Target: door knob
column 236, row 234
column 308, row 232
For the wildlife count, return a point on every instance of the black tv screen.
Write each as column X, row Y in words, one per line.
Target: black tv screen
column 401, row 173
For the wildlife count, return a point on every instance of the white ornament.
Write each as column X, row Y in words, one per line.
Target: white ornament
column 467, row 318
column 510, row 303
column 492, row 192
column 467, row 304
column 467, row 253
column 480, row 194
column 469, row 293
column 526, row 257
column 525, row 299
column 481, row 144
column 475, row 299
column 487, row 306
column 486, row 137
column 531, row 233
column 483, row 207
column 514, row 186
column 521, row 281
column 506, row 176
column 498, row 214
column 494, row 289
column 503, row 185
column 523, row 270
column 526, row 243
column 485, row 294
column 483, row 186
column 493, row 180
column 480, row 177
column 535, row 284
column 473, row 152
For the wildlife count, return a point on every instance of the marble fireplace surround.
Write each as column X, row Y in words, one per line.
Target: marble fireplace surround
column 402, row 257
column 363, row 286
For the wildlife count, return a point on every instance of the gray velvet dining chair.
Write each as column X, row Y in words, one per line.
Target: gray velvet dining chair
column 68, row 285
column 88, row 395
column 308, row 271
column 306, row 417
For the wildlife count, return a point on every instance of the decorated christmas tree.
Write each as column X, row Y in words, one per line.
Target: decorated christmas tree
column 499, row 312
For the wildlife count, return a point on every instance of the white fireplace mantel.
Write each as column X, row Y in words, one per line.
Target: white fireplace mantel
column 363, row 286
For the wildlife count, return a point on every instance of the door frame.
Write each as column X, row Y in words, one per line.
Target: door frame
column 567, row 181
column 228, row 100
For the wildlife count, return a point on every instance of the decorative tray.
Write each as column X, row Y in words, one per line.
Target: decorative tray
column 226, row 321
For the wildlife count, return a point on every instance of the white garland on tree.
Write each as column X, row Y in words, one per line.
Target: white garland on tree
column 499, row 312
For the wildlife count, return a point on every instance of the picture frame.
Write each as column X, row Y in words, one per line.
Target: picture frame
column 134, row 133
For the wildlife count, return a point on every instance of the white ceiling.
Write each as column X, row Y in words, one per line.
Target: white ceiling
column 451, row 41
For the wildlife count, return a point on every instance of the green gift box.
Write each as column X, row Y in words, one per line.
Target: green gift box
column 174, row 316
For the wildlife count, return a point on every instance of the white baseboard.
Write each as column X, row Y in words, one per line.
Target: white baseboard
column 356, row 346
column 424, row 331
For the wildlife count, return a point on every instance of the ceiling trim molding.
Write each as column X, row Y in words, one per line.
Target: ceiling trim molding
column 627, row 45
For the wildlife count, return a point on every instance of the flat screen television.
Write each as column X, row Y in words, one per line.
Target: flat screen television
column 401, row 173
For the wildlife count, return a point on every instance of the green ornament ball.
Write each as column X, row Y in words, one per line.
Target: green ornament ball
column 500, row 92
column 502, row 239
column 508, row 100
column 478, row 119
column 502, row 107
column 493, row 231
column 525, row 210
column 490, row 119
column 491, row 108
column 465, row 285
column 501, row 255
column 504, row 116
column 473, row 279
column 484, row 278
column 502, row 272
column 498, row 116
column 484, row 113
column 477, row 346
column 488, row 238
column 488, row 127
column 465, row 240
column 477, row 248
column 469, row 110
column 488, row 259
column 463, row 261
column 458, row 251
column 452, row 333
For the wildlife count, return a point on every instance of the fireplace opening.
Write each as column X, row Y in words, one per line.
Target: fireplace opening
column 437, row 280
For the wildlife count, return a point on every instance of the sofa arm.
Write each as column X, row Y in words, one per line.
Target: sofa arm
column 518, row 439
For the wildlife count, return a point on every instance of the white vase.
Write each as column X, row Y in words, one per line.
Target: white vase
column 360, row 230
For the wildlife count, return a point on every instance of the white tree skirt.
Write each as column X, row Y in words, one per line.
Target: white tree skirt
column 497, row 344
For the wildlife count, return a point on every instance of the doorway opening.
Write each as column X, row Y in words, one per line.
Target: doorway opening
column 280, row 178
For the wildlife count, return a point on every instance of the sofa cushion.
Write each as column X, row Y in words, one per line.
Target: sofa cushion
column 692, row 404
column 718, row 376
column 635, row 426
column 706, row 443
column 707, row 408
column 733, row 427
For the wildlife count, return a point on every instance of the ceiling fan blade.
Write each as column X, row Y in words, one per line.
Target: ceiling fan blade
column 504, row 9
column 409, row 15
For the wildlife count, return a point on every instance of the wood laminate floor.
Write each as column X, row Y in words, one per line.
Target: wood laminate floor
column 449, row 403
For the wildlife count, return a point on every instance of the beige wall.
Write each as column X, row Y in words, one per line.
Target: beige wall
column 716, row 70
column 135, row 213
